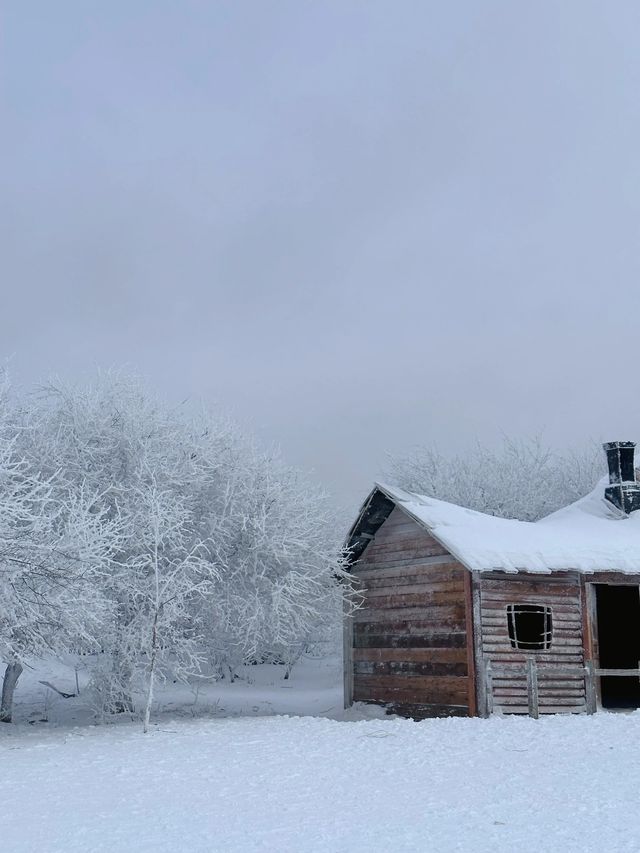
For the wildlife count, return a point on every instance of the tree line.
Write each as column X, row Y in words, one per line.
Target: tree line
column 162, row 537
column 521, row 478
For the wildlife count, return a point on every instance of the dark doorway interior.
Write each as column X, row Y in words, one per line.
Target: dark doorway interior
column 618, row 610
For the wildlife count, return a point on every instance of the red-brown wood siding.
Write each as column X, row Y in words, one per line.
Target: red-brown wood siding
column 410, row 648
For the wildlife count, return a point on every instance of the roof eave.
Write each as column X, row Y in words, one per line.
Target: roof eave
column 388, row 491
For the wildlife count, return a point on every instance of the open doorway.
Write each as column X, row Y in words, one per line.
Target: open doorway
column 618, row 611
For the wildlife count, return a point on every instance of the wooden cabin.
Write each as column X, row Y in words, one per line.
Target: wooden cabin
column 468, row 614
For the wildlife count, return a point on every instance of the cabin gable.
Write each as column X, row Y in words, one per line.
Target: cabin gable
column 411, row 641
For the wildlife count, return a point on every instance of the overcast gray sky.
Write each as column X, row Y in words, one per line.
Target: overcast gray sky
column 358, row 225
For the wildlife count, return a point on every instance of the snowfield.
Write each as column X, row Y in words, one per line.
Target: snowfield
column 309, row 784
column 237, row 767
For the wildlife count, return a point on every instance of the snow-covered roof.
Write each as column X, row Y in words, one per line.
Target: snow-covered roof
column 589, row 535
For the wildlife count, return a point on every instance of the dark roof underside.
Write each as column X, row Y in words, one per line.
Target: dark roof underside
column 375, row 511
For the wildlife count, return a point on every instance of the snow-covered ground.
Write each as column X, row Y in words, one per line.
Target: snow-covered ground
column 311, row 784
column 231, row 769
column 315, row 688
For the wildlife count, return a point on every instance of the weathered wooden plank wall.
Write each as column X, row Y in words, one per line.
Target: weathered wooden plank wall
column 556, row 693
column 410, row 638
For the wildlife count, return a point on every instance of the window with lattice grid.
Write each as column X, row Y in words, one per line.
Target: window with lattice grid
column 529, row 626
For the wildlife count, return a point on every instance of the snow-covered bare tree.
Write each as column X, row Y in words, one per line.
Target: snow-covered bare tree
column 167, row 577
column 55, row 549
column 523, row 479
column 244, row 566
column 279, row 561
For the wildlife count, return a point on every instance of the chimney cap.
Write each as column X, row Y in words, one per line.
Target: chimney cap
column 615, row 445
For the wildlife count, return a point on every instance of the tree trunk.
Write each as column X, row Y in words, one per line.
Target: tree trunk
column 293, row 659
column 11, row 676
column 152, row 672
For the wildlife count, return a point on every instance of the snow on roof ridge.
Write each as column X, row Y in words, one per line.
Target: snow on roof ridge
column 579, row 537
column 429, row 500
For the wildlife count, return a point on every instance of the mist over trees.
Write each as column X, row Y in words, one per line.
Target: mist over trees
column 523, row 479
column 162, row 538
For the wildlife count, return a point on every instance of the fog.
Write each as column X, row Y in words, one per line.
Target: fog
column 358, row 226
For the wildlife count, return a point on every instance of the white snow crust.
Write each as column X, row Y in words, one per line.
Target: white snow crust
column 309, row 785
column 586, row 536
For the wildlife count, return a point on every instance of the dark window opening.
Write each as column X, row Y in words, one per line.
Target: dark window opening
column 529, row 627
column 618, row 618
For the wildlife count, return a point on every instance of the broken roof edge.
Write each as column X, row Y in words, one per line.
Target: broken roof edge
column 375, row 510
column 400, row 497
column 373, row 514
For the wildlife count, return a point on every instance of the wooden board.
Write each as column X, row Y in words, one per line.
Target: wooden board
column 438, row 640
column 436, row 655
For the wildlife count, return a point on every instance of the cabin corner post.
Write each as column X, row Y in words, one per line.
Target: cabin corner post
column 472, row 694
column 347, row 656
column 482, row 704
column 590, row 644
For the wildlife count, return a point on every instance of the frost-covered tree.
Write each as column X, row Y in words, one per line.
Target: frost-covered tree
column 279, row 563
column 167, row 577
column 223, row 552
column 523, row 479
column 55, row 548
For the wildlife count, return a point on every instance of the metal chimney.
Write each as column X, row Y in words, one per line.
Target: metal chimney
column 623, row 490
